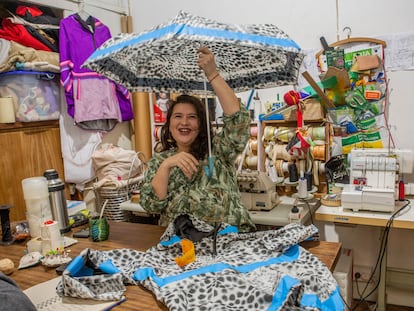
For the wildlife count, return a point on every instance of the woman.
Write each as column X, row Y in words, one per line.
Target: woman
column 175, row 182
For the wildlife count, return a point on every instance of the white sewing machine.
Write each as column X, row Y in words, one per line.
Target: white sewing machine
column 373, row 178
column 258, row 191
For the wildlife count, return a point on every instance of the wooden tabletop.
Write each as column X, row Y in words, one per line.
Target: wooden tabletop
column 135, row 236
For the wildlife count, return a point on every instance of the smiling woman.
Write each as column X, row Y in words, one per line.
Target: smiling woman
column 175, row 182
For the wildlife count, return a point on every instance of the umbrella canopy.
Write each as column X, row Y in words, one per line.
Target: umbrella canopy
column 164, row 59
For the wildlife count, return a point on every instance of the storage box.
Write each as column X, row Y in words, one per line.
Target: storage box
column 312, row 111
column 35, row 94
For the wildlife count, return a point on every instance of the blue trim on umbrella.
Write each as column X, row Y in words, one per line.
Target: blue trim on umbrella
column 182, row 29
column 141, row 274
column 109, row 267
column 282, row 291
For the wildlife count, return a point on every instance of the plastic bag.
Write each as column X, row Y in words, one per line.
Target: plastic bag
column 113, row 163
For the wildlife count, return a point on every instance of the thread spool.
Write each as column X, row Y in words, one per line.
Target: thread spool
column 268, row 132
column 251, row 161
column 318, row 133
column 293, row 172
column 318, row 152
column 7, row 114
column 309, row 178
column 302, row 188
column 7, row 237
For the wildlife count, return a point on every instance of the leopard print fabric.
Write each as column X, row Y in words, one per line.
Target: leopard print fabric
column 164, row 59
column 264, row 270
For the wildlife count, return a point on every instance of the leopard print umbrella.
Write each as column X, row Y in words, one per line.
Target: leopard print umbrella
column 164, row 59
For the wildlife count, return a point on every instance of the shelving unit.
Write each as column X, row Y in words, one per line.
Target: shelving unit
column 291, row 125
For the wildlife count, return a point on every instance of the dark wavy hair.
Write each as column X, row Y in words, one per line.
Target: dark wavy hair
column 199, row 147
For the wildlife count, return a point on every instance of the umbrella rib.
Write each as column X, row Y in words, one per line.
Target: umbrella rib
column 209, row 168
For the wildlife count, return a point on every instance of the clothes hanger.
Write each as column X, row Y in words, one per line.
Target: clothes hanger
column 81, row 12
column 349, row 40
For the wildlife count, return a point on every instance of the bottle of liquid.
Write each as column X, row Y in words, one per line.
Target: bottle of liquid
column 57, row 198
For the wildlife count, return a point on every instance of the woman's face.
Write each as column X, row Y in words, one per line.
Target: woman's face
column 184, row 125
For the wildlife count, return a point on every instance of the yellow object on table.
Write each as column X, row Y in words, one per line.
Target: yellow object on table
column 188, row 253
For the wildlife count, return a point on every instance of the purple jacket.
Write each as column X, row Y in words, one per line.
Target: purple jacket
column 77, row 40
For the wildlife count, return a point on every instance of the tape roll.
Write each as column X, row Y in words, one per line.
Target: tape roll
column 268, row 132
column 253, row 131
column 251, row 161
column 317, row 133
column 279, row 168
column 318, row 152
column 253, row 146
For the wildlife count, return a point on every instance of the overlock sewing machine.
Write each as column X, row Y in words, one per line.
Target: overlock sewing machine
column 374, row 175
column 258, row 191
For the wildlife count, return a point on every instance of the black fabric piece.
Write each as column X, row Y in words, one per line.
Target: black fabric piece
column 184, row 228
column 336, row 170
column 37, row 34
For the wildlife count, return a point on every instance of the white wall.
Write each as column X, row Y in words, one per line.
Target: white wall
column 305, row 22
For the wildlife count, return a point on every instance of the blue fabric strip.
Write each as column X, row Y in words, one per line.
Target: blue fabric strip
column 290, row 255
column 181, row 29
column 229, row 229
column 282, row 291
column 174, row 239
column 108, row 267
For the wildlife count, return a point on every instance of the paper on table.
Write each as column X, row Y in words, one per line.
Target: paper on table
column 45, row 298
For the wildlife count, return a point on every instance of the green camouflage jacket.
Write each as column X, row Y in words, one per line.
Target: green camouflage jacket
column 213, row 200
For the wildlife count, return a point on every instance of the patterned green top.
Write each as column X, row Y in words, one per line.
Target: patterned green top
column 215, row 199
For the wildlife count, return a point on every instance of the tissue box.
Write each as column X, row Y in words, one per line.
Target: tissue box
column 35, row 94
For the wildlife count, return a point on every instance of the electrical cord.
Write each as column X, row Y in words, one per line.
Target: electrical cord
column 381, row 254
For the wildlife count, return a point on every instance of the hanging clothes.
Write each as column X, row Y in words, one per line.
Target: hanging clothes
column 78, row 38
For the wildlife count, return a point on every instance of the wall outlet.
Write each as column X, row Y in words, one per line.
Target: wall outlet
column 362, row 274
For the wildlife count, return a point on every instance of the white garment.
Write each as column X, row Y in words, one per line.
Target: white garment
column 77, row 148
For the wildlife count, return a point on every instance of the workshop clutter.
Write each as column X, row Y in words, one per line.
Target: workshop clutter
column 359, row 92
column 119, row 172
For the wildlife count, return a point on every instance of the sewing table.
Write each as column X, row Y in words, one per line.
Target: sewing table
column 136, row 236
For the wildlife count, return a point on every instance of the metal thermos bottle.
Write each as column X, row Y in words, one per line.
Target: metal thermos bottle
column 57, row 199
